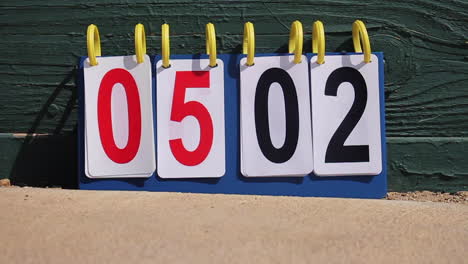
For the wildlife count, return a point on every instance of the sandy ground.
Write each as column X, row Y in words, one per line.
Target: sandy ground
column 426, row 196
column 70, row 226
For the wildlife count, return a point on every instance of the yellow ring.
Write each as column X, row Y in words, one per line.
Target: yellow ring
column 248, row 44
column 93, row 42
column 318, row 41
column 360, row 34
column 296, row 37
column 211, row 44
column 140, row 43
column 165, row 45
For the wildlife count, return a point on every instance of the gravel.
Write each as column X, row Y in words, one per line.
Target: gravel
column 427, row 196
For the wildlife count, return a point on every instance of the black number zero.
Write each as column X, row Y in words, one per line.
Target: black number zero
column 285, row 152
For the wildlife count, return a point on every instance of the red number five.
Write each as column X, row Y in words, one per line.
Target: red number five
column 180, row 109
column 115, row 153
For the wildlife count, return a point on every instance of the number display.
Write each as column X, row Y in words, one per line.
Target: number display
column 119, row 133
column 190, row 119
column 115, row 153
column 273, row 119
column 259, row 156
column 336, row 151
column 180, row 110
column 346, row 116
column 283, row 154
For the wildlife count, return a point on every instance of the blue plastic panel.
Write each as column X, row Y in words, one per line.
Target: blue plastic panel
column 233, row 182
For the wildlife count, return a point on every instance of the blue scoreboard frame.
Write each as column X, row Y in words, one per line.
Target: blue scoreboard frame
column 233, row 182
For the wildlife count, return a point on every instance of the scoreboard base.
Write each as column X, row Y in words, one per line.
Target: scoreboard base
column 233, row 182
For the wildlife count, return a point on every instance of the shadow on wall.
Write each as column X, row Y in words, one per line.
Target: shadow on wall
column 49, row 159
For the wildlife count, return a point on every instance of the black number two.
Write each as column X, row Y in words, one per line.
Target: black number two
column 283, row 154
column 336, row 151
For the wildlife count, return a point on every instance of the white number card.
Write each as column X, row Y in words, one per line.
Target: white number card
column 119, row 135
column 190, row 119
column 275, row 117
column 346, row 116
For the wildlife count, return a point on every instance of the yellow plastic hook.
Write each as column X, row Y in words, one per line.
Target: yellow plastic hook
column 140, row 42
column 318, row 41
column 248, row 43
column 211, row 44
column 165, row 46
column 296, row 37
column 93, row 43
column 360, row 34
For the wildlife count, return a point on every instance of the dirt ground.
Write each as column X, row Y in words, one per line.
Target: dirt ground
column 40, row 225
column 420, row 196
column 426, row 196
